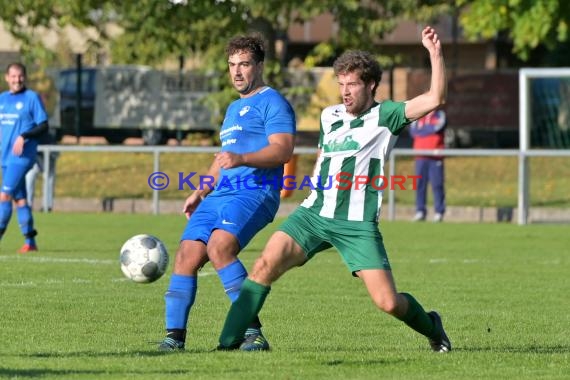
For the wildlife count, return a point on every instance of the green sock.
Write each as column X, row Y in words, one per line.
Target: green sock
column 243, row 310
column 418, row 319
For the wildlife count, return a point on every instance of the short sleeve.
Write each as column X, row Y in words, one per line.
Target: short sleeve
column 280, row 117
column 393, row 116
column 39, row 114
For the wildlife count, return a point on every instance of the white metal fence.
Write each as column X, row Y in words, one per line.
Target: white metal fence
column 155, row 150
column 523, row 172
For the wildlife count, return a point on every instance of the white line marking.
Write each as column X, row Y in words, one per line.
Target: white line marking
column 437, row 261
column 43, row 259
column 58, row 281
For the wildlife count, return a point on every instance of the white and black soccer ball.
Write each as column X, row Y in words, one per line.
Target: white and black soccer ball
column 144, row 258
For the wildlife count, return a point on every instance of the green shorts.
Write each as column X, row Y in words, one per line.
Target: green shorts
column 360, row 243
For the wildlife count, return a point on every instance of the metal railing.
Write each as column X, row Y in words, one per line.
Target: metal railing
column 523, row 180
column 155, row 150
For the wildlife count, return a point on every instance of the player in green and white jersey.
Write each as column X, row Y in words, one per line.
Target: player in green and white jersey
column 342, row 211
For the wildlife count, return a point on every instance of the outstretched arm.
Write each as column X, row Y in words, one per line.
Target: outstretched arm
column 435, row 96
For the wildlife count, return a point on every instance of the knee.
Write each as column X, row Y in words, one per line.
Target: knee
column 262, row 272
column 21, row 202
column 182, row 258
column 214, row 252
column 189, row 262
column 388, row 305
column 220, row 256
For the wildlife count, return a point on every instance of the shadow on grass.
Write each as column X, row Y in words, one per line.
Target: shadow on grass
column 360, row 363
column 43, row 372
column 542, row 350
column 561, row 202
column 112, row 354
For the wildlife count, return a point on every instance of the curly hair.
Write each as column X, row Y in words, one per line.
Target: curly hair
column 362, row 62
column 253, row 44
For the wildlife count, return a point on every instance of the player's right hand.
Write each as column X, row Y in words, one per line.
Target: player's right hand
column 191, row 204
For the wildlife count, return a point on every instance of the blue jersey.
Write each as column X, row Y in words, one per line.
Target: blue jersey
column 246, row 128
column 19, row 113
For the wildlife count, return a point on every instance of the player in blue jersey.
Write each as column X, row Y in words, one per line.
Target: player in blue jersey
column 355, row 140
column 23, row 121
column 257, row 136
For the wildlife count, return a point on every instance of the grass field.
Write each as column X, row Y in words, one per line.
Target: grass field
column 68, row 313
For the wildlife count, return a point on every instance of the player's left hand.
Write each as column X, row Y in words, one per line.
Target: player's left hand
column 228, row 160
column 18, row 147
column 431, row 41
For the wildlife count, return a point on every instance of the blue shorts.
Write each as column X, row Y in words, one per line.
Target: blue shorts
column 242, row 214
column 14, row 179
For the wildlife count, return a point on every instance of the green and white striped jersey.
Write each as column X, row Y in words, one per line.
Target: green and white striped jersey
column 346, row 182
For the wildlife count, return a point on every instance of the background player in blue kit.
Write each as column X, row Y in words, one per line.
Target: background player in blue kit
column 257, row 136
column 23, row 121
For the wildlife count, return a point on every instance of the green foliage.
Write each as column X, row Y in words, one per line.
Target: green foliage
column 81, row 319
column 529, row 23
column 153, row 31
column 322, row 52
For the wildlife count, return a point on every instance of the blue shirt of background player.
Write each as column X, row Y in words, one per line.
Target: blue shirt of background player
column 19, row 112
column 246, row 127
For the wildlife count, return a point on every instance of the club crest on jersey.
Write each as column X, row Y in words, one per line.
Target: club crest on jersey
column 19, row 105
column 244, row 110
column 348, row 143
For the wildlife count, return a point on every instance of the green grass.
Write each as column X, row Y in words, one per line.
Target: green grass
column 470, row 181
column 68, row 313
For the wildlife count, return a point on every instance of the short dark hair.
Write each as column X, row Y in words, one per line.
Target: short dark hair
column 253, row 44
column 17, row 65
column 362, row 62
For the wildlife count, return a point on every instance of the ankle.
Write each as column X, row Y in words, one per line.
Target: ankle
column 176, row 334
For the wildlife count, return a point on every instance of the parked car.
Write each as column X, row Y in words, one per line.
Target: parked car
column 118, row 102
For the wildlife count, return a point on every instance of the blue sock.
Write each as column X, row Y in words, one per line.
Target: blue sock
column 179, row 298
column 232, row 276
column 5, row 214
column 26, row 222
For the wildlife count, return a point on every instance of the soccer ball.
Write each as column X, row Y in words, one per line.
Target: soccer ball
column 143, row 258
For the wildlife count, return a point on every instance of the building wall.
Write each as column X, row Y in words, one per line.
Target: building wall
column 404, row 41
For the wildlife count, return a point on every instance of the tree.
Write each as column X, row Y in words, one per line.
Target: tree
column 29, row 20
column 155, row 31
column 528, row 23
